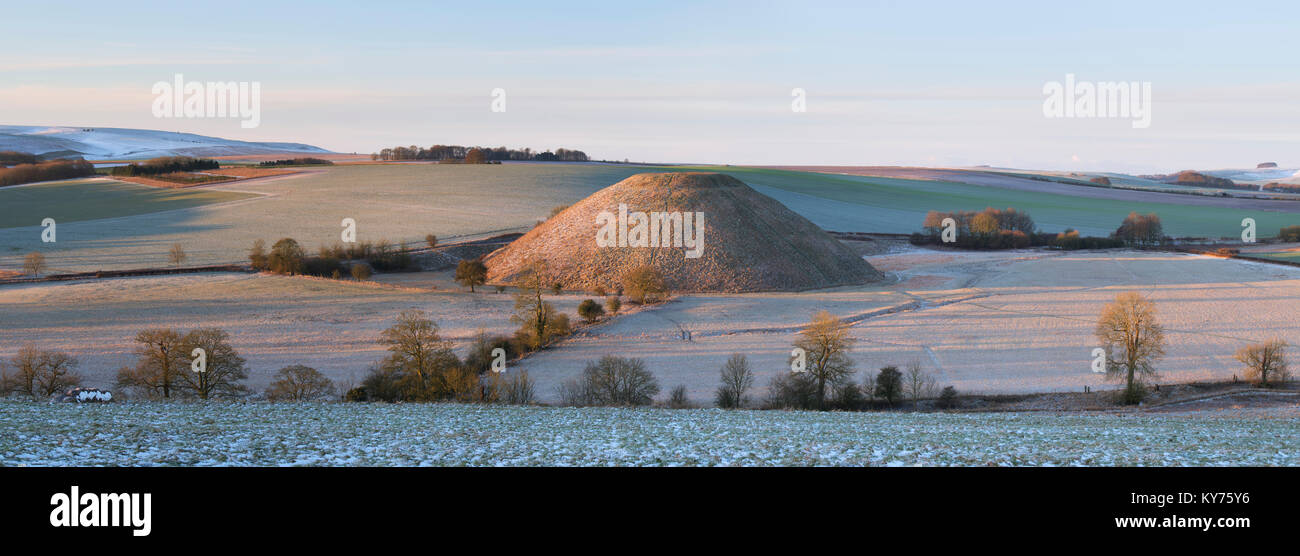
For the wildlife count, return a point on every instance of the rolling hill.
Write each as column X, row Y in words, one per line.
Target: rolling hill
column 118, row 143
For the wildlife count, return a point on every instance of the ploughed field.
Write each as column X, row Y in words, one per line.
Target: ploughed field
column 338, row 434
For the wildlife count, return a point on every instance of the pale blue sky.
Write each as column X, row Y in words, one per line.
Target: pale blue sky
column 942, row 83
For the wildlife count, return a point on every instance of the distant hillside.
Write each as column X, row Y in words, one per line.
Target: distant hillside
column 109, row 143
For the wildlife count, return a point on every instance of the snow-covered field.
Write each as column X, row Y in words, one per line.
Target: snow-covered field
column 335, row 434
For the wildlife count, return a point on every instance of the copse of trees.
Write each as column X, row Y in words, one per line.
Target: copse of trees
column 39, row 373
column 1289, row 234
column 13, row 158
column 164, row 165
column 299, row 383
column 304, row 161
column 644, row 284
column 1141, row 230
column 164, row 365
column 487, row 154
column 288, row 257
column 46, row 171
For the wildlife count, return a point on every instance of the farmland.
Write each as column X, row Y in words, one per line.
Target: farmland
column 113, row 225
column 324, row 434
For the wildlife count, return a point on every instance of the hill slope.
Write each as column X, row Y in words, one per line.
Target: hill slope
column 751, row 242
column 118, row 143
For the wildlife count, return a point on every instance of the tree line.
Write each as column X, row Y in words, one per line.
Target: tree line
column 164, row 165
column 457, row 152
column 46, row 171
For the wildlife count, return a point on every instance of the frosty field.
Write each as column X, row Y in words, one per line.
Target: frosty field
column 334, row 434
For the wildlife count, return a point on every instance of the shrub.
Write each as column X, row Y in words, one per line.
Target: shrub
column 791, row 391
column 1289, row 234
column 599, row 291
column 1140, row 229
column 431, row 240
column 479, row 358
column 644, row 283
column 847, row 396
column 176, row 255
column 519, row 389
column 615, row 381
column 677, row 399
column 889, row 384
column 34, row 263
column 297, row 383
column 590, row 310
column 357, row 394
column 613, row 304
column 360, row 271
column 257, row 256
column 947, row 398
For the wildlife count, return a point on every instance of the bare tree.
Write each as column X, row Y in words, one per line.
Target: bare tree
column 223, row 369
column 1266, row 362
column 539, row 322
column 418, row 356
column 917, row 383
column 736, row 379
column 1133, row 341
column 826, row 343
column 34, row 263
column 39, row 373
column 162, row 358
column 176, row 255
column 298, row 383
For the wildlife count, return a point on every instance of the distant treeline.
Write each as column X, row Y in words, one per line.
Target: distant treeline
column 10, row 158
column 46, row 171
column 165, row 165
column 306, row 161
column 457, row 152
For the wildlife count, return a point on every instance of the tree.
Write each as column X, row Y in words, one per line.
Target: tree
column 826, row 343
column 736, row 379
column 984, row 224
column 538, row 320
column 1133, row 341
column 1265, row 363
column 176, row 255
column 471, row 273
column 475, row 156
column 611, row 381
column 39, row 373
column 257, row 255
column 419, row 359
column 947, row 398
column 644, row 283
column 34, row 263
column 162, row 358
column 613, row 304
column 590, row 310
column 299, row 383
column 223, row 368
column 678, row 398
column 432, row 240
column 889, row 384
column 286, row 257
column 917, row 384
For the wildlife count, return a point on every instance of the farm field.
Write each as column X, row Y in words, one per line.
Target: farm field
column 400, row 202
column 1009, row 322
column 69, row 201
column 273, row 321
column 898, row 205
column 335, row 434
column 133, row 226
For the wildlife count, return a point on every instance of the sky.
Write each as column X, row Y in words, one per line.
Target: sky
column 886, row 83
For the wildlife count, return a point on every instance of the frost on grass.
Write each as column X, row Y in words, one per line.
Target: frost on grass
column 261, row 434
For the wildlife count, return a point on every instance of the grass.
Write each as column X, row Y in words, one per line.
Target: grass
column 1288, row 256
column 894, row 205
column 336, row 434
column 80, row 200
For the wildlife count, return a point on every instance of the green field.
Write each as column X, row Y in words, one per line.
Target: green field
column 79, row 200
column 1288, row 256
column 898, row 205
